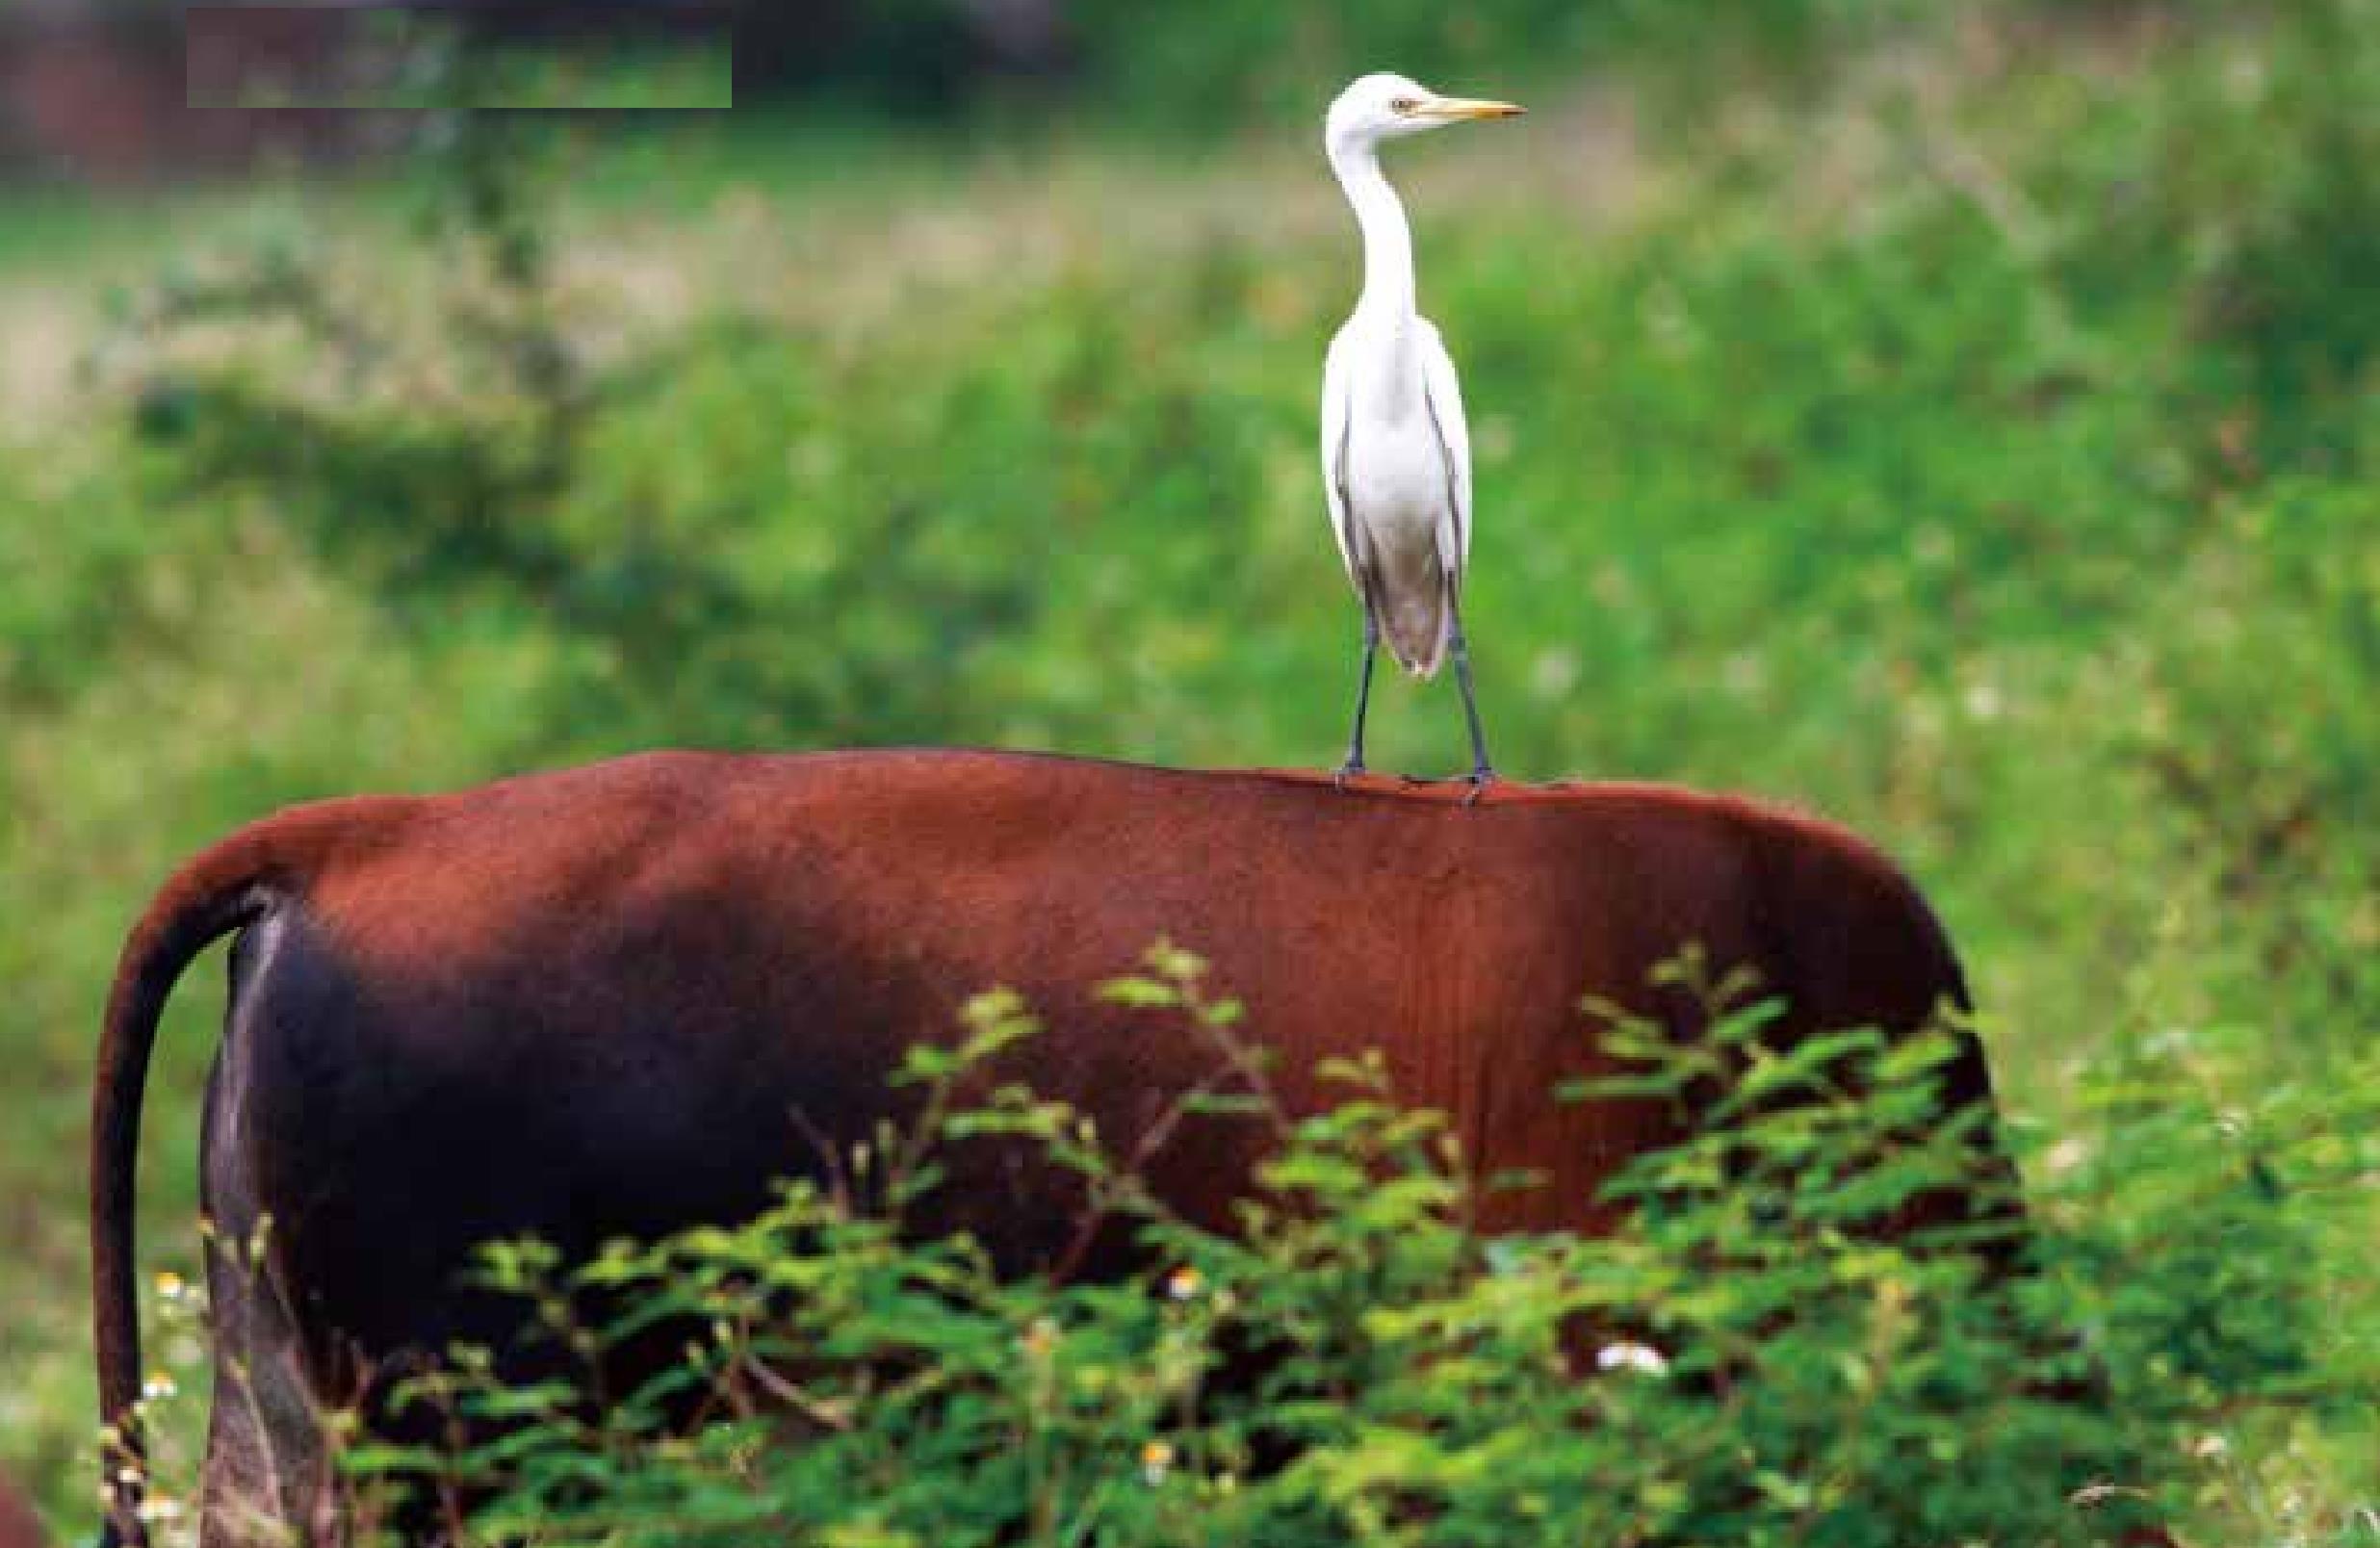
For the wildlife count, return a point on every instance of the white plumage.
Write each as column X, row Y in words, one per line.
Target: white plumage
column 1400, row 487
column 1396, row 452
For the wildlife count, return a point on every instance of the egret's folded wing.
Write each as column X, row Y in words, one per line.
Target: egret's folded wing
column 1337, row 411
column 1445, row 398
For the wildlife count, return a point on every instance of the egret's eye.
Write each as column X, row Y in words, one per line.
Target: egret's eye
column 1402, row 105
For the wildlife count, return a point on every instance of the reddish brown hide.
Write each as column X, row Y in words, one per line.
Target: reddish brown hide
column 621, row 998
column 20, row 1527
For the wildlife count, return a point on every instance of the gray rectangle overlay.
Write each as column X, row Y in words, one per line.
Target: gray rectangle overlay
column 660, row 55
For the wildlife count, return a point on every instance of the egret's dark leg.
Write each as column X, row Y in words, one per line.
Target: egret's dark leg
column 1363, row 696
column 1481, row 772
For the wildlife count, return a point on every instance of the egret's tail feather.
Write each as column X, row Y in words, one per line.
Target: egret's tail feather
column 1416, row 627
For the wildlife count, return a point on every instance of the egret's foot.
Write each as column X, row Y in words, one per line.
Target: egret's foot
column 1346, row 771
column 1479, row 779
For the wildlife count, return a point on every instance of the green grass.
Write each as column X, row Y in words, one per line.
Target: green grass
column 1978, row 453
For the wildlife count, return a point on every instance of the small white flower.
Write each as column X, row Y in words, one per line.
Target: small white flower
column 1631, row 1356
column 1156, row 1461
column 1184, row 1283
column 2067, row 1154
column 158, row 1387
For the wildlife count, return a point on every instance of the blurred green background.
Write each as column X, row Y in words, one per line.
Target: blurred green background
column 1958, row 418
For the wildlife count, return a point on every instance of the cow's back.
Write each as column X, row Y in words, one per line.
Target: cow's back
column 623, row 997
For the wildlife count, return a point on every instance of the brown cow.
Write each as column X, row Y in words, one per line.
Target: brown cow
column 621, row 999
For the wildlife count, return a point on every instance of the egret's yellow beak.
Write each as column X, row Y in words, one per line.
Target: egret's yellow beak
column 1458, row 110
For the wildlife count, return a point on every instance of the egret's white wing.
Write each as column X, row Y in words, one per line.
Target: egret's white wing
column 1337, row 413
column 1446, row 400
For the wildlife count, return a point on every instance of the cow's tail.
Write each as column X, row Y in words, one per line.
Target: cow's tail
column 220, row 890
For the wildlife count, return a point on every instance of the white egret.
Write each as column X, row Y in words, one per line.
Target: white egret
column 1396, row 454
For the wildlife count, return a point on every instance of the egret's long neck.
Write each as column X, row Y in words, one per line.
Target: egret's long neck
column 1387, row 241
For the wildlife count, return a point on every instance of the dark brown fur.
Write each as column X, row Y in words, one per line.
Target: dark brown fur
column 592, row 1002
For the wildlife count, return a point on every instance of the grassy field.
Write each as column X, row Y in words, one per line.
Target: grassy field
column 1979, row 453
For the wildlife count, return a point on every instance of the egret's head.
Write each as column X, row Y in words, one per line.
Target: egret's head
column 1391, row 107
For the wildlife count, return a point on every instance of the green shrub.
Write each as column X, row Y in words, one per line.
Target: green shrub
column 1759, row 1353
